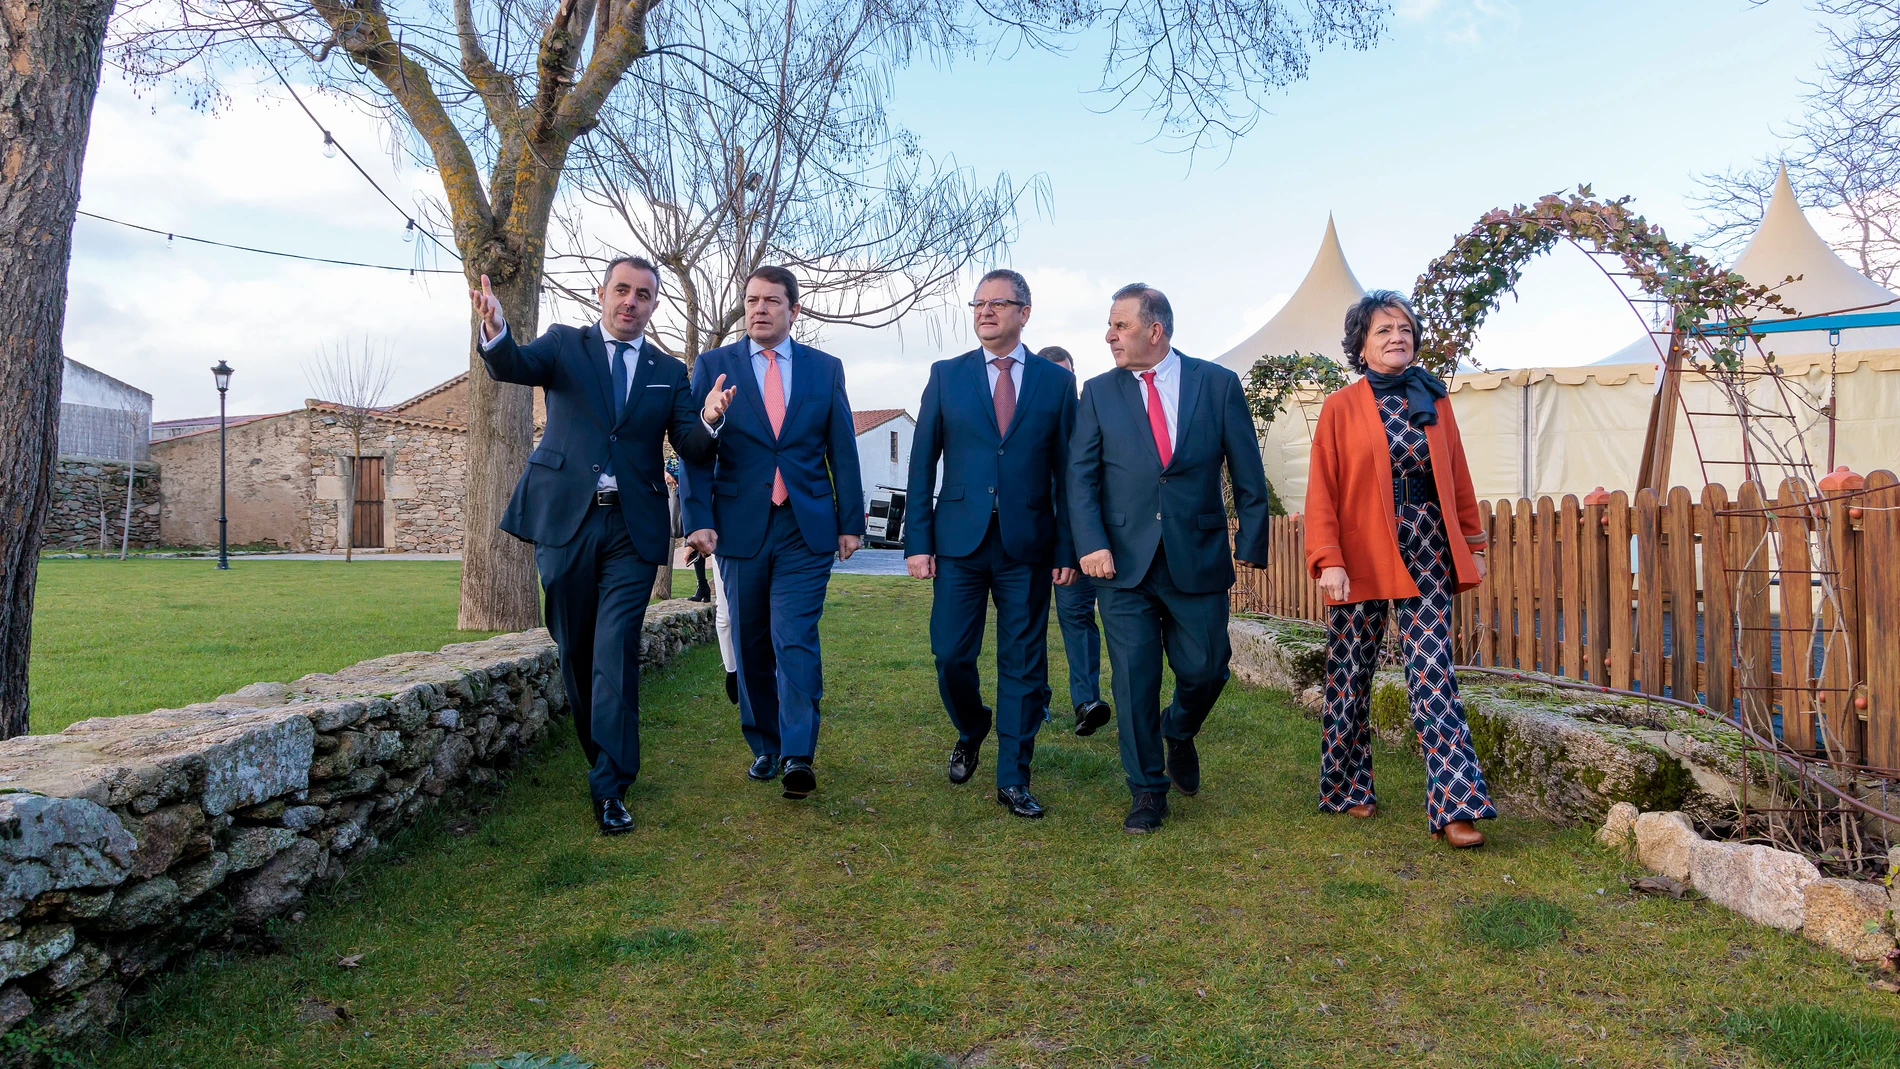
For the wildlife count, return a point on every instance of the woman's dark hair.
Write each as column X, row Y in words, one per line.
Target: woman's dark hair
column 780, row 277
column 1359, row 321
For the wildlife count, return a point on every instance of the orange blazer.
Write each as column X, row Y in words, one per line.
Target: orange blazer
column 1351, row 521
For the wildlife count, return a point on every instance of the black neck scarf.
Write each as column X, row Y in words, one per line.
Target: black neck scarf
column 1422, row 390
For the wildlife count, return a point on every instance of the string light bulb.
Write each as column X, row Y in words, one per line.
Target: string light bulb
column 409, row 231
column 329, row 146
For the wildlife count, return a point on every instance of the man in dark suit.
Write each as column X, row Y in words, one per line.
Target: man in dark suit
column 1075, row 615
column 593, row 501
column 776, row 498
column 1000, row 420
column 1151, row 526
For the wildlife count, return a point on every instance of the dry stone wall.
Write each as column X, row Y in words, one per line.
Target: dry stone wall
column 126, row 842
column 85, row 486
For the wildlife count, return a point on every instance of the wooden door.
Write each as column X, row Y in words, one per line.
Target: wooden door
column 366, row 520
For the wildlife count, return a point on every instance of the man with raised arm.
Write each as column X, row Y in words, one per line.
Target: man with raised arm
column 776, row 498
column 999, row 420
column 593, row 501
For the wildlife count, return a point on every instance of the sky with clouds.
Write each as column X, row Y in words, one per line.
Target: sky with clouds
column 1464, row 106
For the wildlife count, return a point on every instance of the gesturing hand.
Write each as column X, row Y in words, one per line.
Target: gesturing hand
column 1099, row 564
column 921, row 565
column 1334, row 584
column 487, row 310
column 717, row 400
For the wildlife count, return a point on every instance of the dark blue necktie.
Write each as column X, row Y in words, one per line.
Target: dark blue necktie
column 619, row 361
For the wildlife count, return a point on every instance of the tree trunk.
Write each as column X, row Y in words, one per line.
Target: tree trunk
column 47, row 84
column 498, row 576
column 663, row 580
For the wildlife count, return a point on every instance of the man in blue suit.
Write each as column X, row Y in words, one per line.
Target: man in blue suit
column 593, row 501
column 776, row 498
column 999, row 419
column 1150, row 522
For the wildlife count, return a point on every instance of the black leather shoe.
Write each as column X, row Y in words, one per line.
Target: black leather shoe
column 732, row 687
column 1184, row 766
column 799, row 780
column 963, row 761
column 612, row 816
column 764, row 767
column 1019, row 801
column 1092, row 715
column 1151, row 808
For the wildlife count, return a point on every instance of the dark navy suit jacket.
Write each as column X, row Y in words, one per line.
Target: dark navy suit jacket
column 816, row 449
column 1121, row 499
column 557, row 486
column 1018, row 472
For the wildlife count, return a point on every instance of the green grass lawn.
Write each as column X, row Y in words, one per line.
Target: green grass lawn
column 113, row 637
column 895, row 921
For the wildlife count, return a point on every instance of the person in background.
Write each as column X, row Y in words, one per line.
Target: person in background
column 1152, row 437
column 1075, row 615
column 779, row 499
column 1388, row 480
column 999, row 419
column 702, row 593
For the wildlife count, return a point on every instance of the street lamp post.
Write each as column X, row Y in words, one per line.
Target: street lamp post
column 222, row 375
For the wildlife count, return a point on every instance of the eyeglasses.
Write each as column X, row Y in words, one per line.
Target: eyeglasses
column 997, row 306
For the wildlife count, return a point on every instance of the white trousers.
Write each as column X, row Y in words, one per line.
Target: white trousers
column 722, row 619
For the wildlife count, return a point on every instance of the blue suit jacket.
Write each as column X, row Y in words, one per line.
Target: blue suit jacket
column 557, row 486
column 1121, row 499
column 730, row 488
column 1018, row 472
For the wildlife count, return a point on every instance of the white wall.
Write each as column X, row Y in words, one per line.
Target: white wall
column 874, row 454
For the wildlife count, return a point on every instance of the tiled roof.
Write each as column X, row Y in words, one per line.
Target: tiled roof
column 874, row 418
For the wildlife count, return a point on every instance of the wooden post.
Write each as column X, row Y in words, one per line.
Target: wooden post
column 1660, row 437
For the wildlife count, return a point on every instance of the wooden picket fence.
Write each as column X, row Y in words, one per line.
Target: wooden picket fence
column 1673, row 578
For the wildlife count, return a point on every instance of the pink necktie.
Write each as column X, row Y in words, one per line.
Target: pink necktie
column 1158, row 420
column 775, row 411
column 1005, row 395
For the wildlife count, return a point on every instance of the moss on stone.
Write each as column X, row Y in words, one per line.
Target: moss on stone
column 1392, row 712
column 1665, row 789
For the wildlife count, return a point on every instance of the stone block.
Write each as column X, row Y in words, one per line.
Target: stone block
column 15, row 1007
column 1663, row 842
column 304, row 816
column 85, row 964
column 259, row 695
column 347, row 756
column 1763, row 884
column 54, row 844
column 251, row 847
column 450, row 761
column 258, row 765
column 1848, row 916
column 141, row 905
column 35, row 949
column 162, row 836
column 279, row 883
column 1619, row 827
column 201, row 876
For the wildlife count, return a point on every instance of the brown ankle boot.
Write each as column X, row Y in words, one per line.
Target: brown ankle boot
column 1364, row 810
column 1461, row 834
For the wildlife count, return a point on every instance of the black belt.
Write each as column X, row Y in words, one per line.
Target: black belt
column 607, row 497
column 1417, row 489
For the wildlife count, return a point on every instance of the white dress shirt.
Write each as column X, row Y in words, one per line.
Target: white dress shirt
column 605, row 481
column 1168, row 385
column 1020, row 354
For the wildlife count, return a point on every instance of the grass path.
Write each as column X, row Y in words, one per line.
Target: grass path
column 895, row 921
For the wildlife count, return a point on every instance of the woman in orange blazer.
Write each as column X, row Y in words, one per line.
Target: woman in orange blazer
column 1392, row 527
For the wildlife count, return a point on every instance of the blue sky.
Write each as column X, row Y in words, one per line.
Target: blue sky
column 1466, row 105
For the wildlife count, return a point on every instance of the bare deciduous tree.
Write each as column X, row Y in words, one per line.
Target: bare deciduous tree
column 353, row 380
column 494, row 96
column 1842, row 154
column 790, row 160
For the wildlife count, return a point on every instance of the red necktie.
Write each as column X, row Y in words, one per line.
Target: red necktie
column 1158, row 420
column 1005, row 397
column 775, row 411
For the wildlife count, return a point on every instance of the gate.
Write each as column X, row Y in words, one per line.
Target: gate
column 366, row 519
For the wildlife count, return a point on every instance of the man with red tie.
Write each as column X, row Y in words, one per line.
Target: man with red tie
column 778, row 499
column 1150, row 524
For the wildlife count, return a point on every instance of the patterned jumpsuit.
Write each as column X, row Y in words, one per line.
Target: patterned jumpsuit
column 1456, row 788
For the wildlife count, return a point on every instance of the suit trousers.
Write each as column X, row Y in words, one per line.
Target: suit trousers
column 774, row 599
column 1140, row 622
column 1081, row 639
column 722, row 618
column 597, row 592
column 958, row 611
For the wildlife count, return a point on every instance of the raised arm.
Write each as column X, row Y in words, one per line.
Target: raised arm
column 507, row 361
column 1247, row 474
